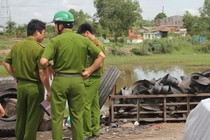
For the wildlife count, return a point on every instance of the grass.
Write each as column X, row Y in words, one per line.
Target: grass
column 189, row 62
column 185, row 57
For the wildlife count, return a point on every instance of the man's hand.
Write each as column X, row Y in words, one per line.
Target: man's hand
column 48, row 95
column 86, row 73
column 2, row 112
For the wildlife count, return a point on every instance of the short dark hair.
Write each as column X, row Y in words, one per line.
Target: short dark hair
column 85, row 27
column 35, row 25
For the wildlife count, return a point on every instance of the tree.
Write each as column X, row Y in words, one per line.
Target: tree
column 10, row 28
column 147, row 23
column 118, row 16
column 21, row 31
column 79, row 18
column 50, row 31
column 194, row 24
column 205, row 10
column 160, row 16
column 205, row 15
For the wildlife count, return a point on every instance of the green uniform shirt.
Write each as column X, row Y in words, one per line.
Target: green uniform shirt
column 61, row 49
column 24, row 58
column 99, row 71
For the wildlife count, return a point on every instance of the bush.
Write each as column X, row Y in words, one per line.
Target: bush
column 116, row 49
column 184, row 45
column 139, row 51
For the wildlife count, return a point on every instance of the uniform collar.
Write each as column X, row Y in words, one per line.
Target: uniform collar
column 34, row 39
column 67, row 30
column 30, row 38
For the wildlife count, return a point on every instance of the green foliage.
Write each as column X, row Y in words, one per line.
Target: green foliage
column 160, row 16
column 140, row 51
column 206, row 47
column 116, row 49
column 10, row 29
column 98, row 30
column 21, row 31
column 156, row 46
column 147, row 23
column 50, row 31
column 195, row 25
column 183, row 45
column 79, row 18
column 205, row 10
column 198, row 25
column 118, row 16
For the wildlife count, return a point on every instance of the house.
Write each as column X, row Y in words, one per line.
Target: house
column 134, row 37
column 173, row 21
column 163, row 27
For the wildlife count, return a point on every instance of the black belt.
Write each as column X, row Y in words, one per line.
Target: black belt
column 66, row 74
column 27, row 80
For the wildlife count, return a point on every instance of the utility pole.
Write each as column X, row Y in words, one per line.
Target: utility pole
column 5, row 16
column 163, row 9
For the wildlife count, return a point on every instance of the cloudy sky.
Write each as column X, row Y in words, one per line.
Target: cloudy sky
column 22, row 11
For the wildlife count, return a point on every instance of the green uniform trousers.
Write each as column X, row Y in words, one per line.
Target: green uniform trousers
column 71, row 89
column 29, row 114
column 91, row 116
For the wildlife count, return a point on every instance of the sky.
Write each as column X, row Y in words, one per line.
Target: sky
column 22, row 11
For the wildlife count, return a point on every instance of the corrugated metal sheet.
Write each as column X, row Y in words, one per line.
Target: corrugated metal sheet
column 108, row 82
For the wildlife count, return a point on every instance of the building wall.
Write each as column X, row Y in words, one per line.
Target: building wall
column 170, row 21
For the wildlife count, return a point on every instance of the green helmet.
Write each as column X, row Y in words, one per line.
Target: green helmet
column 63, row 16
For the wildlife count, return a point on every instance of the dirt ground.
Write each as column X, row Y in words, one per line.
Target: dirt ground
column 152, row 131
column 157, row 131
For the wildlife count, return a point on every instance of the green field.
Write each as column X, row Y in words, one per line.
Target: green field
column 189, row 60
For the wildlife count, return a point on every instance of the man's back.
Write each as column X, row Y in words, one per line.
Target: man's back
column 25, row 56
column 69, row 51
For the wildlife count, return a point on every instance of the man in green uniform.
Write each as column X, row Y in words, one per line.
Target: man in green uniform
column 23, row 64
column 69, row 51
column 91, row 114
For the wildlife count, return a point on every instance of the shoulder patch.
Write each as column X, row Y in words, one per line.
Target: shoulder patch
column 96, row 43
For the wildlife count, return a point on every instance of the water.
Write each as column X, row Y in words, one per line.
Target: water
column 141, row 74
column 129, row 76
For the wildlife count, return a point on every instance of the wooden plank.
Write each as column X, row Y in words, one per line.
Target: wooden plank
column 157, row 104
column 151, row 112
column 164, row 109
column 186, row 106
column 125, row 105
column 161, row 96
column 138, row 110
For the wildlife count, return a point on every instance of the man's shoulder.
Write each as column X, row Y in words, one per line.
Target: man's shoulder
column 40, row 44
column 99, row 44
column 81, row 38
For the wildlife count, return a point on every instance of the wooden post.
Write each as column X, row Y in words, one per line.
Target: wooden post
column 164, row 108
column 138, row 110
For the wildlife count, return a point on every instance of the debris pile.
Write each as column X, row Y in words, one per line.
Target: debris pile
column 194, row 84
